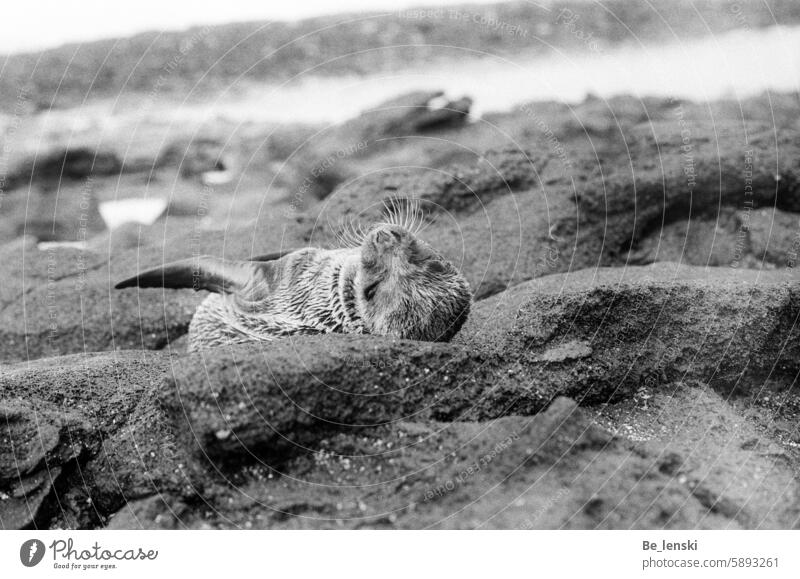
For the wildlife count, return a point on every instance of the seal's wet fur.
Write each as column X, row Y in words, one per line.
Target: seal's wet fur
column 386, row 282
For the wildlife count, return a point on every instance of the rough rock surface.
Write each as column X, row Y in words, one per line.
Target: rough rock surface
column 329, row 157
column 50, row 214
column 61, row 300
column 337, row 431
column 629, row 361
column 82, row 435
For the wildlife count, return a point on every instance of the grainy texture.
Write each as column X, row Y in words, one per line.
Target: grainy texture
column 629, row 362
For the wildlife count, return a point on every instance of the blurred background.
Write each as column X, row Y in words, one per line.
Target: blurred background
column 234, row 92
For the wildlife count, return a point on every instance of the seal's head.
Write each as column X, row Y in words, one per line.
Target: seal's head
column 407, row 289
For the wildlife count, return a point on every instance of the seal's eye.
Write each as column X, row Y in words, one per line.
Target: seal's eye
column 435, row 266
column 369, row 291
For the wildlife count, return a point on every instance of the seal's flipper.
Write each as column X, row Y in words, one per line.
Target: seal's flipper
column 203, row 273
column 273, row 256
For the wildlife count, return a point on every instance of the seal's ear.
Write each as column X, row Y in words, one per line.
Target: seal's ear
column 205, row 273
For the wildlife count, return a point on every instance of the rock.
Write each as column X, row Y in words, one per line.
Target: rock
column 690, row 179
column 26, row 267
column 596, row 336
column 773, row 235
column 86, row 314
column 64, row 302
column 297, row 430
column 719, row 241
column 410, row 113
column 326, row 159
column 64, row 213
column 545, row 477
column 271, row 410
column 522, row 214
column 461, row 190
column 155, row 512
column 38, row 442
column 491, row 220
column 285, row 140
column 576, row 396
column 196, row 156
column 717, row 450
column 642, row 325
column 516, row 472
column 75, row 164
column 88, row 426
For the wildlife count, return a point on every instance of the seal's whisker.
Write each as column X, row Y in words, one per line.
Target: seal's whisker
column 349, row 233
column 360, row 233
column 395, row 213
column 404, row 212
column 415, row 216
column 410, row 209
column 419, row 216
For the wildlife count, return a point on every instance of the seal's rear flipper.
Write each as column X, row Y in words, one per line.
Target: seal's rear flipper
column 203, row 273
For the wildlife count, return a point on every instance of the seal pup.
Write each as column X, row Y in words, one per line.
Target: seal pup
column 384, row 280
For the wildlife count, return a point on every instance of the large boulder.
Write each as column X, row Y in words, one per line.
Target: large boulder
column 601, row 334
column 39, row 444
column 81, row 435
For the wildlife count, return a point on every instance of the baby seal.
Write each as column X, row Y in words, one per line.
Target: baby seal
column 385, row 281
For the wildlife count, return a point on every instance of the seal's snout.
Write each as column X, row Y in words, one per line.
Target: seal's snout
column 384, row 237
column 387, row 237
column 388, row 234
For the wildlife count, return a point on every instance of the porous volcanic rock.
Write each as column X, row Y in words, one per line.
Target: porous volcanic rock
column 38, row 442
column 83, row 434
column 74, row 164
column 327, row 158
column 60, row 213
column 515, row 472
column 62, row 300
column 358, row 431
column 722, row 449
column 577, row 395
column 603, row 333
column 773, row 235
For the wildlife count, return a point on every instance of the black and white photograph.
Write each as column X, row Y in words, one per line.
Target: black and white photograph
column 400, row 265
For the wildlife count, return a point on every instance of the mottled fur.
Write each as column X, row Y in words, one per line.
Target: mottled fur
column 385, row 281
column 393, row 285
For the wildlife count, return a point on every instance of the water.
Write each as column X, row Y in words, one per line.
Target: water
column 737, row 64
